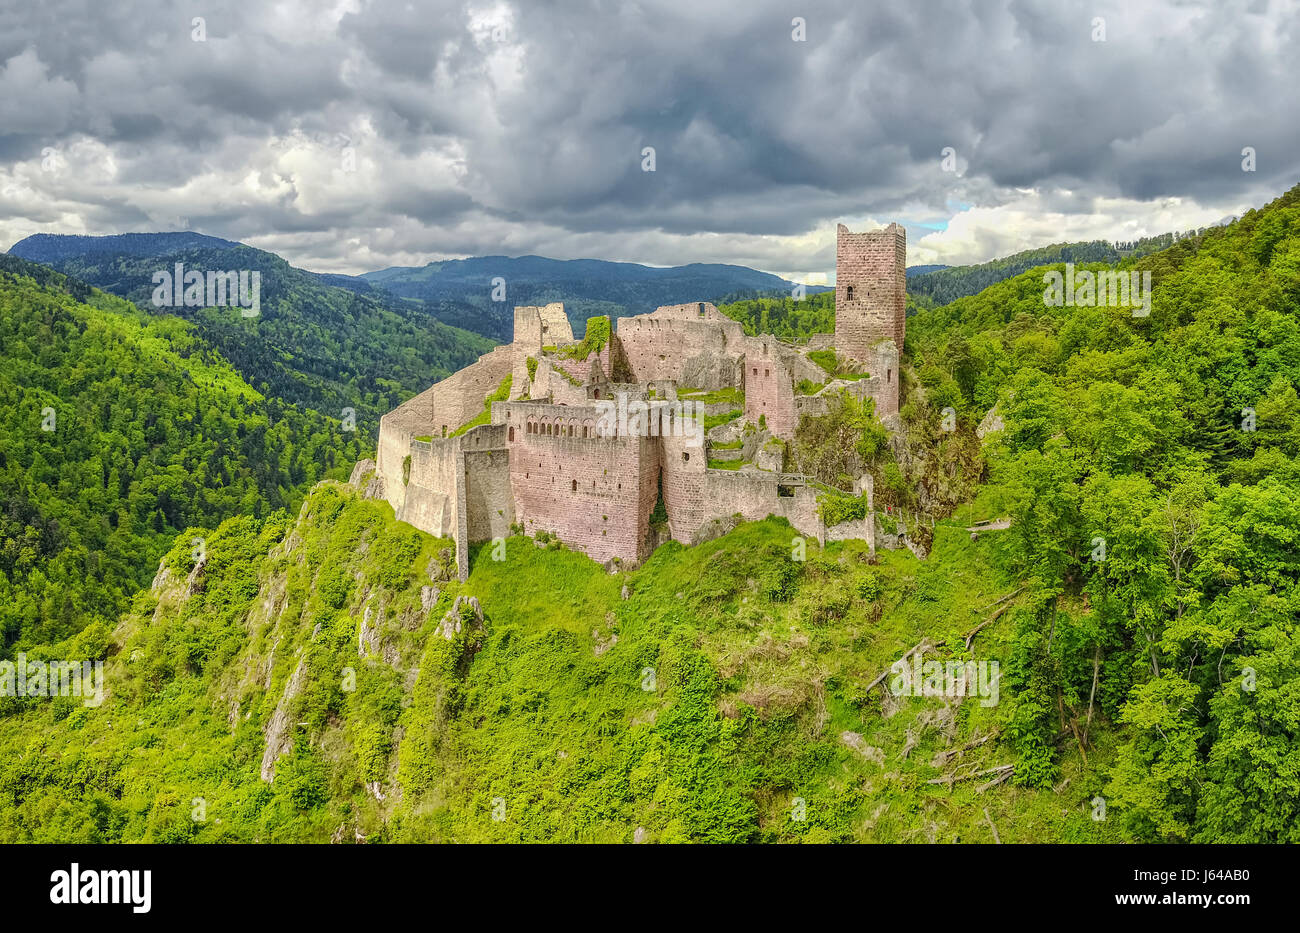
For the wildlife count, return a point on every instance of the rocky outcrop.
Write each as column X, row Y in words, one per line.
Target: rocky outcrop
column 454, row 620
column 279, row 737
column 367, row 478
column 991, row 424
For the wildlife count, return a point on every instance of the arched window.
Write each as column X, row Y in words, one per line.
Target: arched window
column 573, row 486
column 511, row 435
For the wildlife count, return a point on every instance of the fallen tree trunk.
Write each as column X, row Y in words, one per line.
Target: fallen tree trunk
column 970, row 636
column 922, row 647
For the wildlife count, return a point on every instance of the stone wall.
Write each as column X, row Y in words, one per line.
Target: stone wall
column 440, row 409
column 489, row 503
column 538, row 326
column 429, row 501
column 695, row 345
column 870, row 289
column 883, row 383
column 769, row 394
column 594, row 493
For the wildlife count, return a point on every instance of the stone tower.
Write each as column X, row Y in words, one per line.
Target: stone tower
column 870, row 289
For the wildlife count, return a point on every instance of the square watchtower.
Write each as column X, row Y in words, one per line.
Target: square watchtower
column 870, row 289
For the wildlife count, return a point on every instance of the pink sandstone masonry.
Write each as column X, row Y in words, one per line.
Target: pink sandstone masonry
column 870, row 289
column 547, row 461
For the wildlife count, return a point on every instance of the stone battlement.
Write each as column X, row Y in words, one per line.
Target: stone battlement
column 551, row 459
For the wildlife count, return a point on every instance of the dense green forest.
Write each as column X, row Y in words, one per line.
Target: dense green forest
column 721, row 692
column 1143, row 602
column 314, row 345
column 1149, row 465
column 947, row 285
column 117, row 430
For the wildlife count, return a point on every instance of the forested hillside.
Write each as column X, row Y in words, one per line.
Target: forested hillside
column 1142, row 605
column 717, row 694
column 948, row 283
column 315, row 345
column 1149, row 465
column 118, row 429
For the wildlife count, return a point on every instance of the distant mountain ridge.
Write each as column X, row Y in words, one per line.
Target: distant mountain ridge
column 587, row 287
column 314, row 344
column 458, row 292
column 55, row 247
column 939, row 285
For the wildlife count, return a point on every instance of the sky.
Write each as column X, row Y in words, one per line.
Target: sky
column 349, row 135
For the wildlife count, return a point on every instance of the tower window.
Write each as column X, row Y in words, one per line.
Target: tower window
column 889, row 373
column 701, row 309
column 849, row 293
column 573, row 486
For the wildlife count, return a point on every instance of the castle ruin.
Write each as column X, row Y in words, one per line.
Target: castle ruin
column 602, row 442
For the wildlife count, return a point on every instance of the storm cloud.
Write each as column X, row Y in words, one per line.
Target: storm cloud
column 362, row 134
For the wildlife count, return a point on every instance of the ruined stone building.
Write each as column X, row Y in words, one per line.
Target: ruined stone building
column 601, row 442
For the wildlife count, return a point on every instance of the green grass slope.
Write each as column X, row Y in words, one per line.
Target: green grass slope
column 709, row 705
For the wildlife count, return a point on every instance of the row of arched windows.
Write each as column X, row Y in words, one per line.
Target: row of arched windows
column 559, row 428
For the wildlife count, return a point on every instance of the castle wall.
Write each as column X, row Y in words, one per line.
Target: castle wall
column 485, row 478
column 429, row 502
column 694, row 345
column 883, row 383
column 594, row 494
column 695, row 499
column 538, row 326
column 769, row 394
column 873, row 268
column 449, row 403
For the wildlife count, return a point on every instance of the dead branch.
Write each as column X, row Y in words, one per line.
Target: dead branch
column 989, row 820
column 1004, row 776
column 922, row 647
column 943, row 757
column 998, row 602
column 1096, row 669
column 970, row 636
column 1003, row 772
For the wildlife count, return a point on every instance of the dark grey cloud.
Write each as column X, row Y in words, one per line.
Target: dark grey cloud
column 368, row 133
